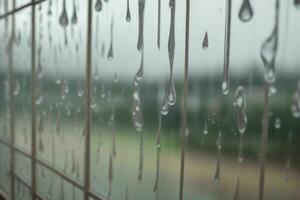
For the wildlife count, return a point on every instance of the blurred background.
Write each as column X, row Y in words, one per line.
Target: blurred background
column 115, row 139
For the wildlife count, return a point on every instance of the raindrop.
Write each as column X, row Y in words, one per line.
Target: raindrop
column 63, row 19
column 140, row 42
column 158, row 24
column 268, row 51
column 17, row 88
column 297, row 3
column 165, row 108
column 205, row 42
column 50, row 191
column 205, row 129
column 237, row 189
column 158, row 150
column 110, row 175
column 79, row 89
column 110, row 54
column 102, row 50
column 272, row 90
column 98, row 5
column 57, row 129
column 141, row 158
column 73, row 169
column 225, row 83
column 240, row 104
column 116, row 79
column 171, row 93
column 39, row 100
column 246, row 11
column 295, row 107
column 49, row 8
column 137, row 115
column 57, row 78
column 103, row 91
column 77, row 171
column 277, row 123
column 40, row 68
column 128, row 16
column 219, row 148
column 74, row 19
column 288, row 159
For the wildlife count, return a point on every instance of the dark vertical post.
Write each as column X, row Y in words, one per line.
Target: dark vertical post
column 12, row 84
column 184, row 124
column 88, row 103
column 33, row 99
column 264, row 142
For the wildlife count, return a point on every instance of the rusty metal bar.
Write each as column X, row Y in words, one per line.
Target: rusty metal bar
column 77, row 184
column 12, row 85
column 88, row 102
column 15, row 10
column 33, row 100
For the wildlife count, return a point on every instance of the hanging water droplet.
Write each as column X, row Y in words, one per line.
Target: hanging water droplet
column 63, row 19
column 277, row 123
column 74, row 17
column 225, row 83
column 205, row 129
column 165, row 107
column 240, row 104
column 128, row 16
column 140, row 43
column 205, row 42
column 246, row 11
column 116, row 79
column 268, row 51
column 49, row 8
column 57, row 78
column 171, row 98
column 288, row 158
column 98, row 5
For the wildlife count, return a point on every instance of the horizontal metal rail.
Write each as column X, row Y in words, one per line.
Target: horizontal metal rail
column 57, row 172
column 3, row 16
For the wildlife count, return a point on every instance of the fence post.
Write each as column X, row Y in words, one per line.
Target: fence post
column 33, row 99
column 12, row 85
column 88, row 103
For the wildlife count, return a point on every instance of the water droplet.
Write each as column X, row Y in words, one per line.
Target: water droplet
column 277, row 123
column 219, row 148
column 240, row 104
column 158, row 24
column 73, row 169
column 295, row 107
column 17, row 88
column 165, row 108
column 272, row 90
column 49, row 8
column 141, row 158
column 205, row 129
column 288, row 158
column 205, row 42
column 158, row 150
column 225, row 88
column 39, row 100
column 237, row 190
column 297, row 3
column 110, row 54
column 79, row 89
column 128, row 16
column 225, row 83
column 137, row 116
column 116, row 79
column 246, row 11
column 268, row 51
column 171, row 97
column 98, row 5
column 74, row 19
column 140, row 43
column 63, row 19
